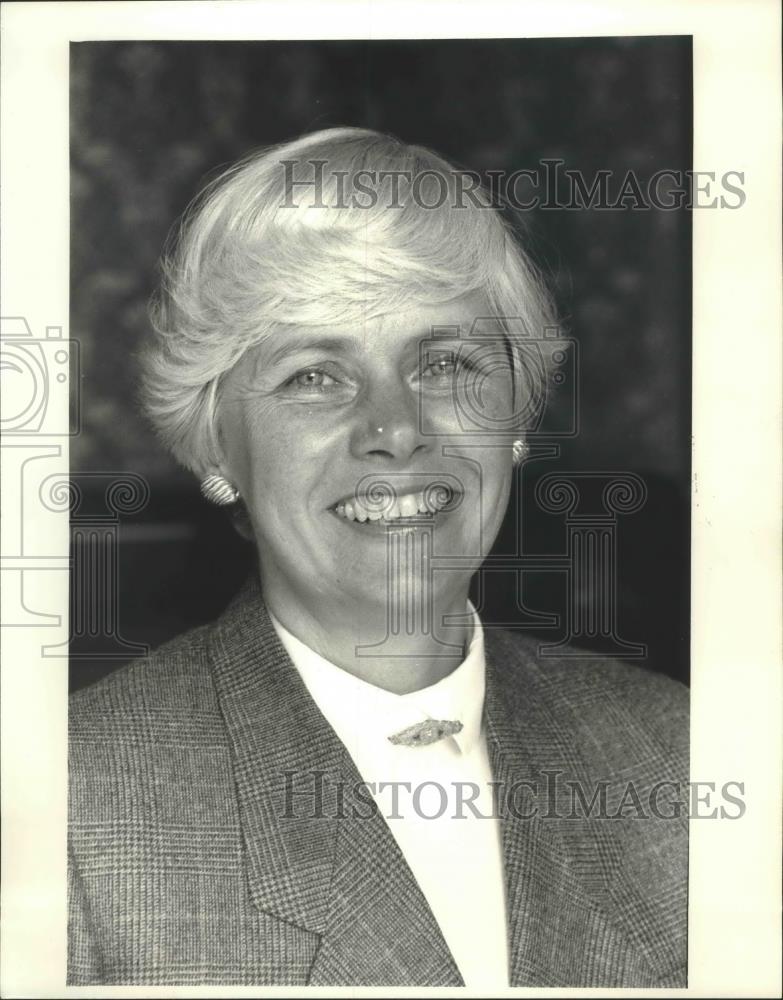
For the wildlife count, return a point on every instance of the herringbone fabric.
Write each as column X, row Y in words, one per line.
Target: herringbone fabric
column 200, row 853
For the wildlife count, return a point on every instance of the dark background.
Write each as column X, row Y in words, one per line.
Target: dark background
column 151, row 122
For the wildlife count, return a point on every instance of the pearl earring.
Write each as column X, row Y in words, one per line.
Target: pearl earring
column 518, row 451
column 218, row 490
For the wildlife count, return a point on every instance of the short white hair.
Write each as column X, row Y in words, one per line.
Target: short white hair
column 275, row 241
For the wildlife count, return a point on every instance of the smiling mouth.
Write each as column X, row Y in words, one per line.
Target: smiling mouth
column 409, row 508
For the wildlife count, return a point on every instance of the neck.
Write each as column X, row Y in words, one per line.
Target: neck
column 359, row 639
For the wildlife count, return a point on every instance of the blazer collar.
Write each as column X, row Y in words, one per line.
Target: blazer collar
column 311, row 860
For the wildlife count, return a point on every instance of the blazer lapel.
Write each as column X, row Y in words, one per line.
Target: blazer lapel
column 380, row 929
column 561, row 925
column 316, row 855
column 282, row 755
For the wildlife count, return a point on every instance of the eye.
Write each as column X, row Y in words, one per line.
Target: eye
column 443, row 366
column 313, row 379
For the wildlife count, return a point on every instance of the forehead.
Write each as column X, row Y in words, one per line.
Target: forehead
column 395, row 331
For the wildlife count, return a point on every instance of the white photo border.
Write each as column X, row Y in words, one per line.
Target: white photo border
column 735, row 865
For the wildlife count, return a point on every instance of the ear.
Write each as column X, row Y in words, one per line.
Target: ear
column 241, row 521
column 214, row 461
column 216, row 451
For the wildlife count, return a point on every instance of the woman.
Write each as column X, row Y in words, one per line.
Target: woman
column 344, row 780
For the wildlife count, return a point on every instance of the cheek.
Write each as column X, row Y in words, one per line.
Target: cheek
column 497, row 490
column 478, row 403
column 496, row 475
column 496, row 480
column 255, row 445
column 498, row 396
column 276, row 454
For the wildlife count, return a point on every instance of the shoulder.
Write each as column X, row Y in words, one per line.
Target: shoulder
column 589, row 694
column 170, row 686
column 148, row 745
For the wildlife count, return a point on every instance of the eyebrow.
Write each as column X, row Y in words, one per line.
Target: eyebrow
column 339, row 345
column 347, row 344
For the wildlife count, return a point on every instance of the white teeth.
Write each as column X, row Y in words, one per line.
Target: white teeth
column 408, row 506
column 405, row 506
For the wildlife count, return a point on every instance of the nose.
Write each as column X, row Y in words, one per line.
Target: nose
column 388, row 424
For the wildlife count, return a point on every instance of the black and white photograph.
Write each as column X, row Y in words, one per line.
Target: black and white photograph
column 380, row 387
column 353, row 348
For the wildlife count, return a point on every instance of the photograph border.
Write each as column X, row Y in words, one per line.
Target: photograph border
column 735, row 866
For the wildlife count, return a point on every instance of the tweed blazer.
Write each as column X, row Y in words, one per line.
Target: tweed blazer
column 188, row 864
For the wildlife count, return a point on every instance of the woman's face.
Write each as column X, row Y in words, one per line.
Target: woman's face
column 314, row 418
